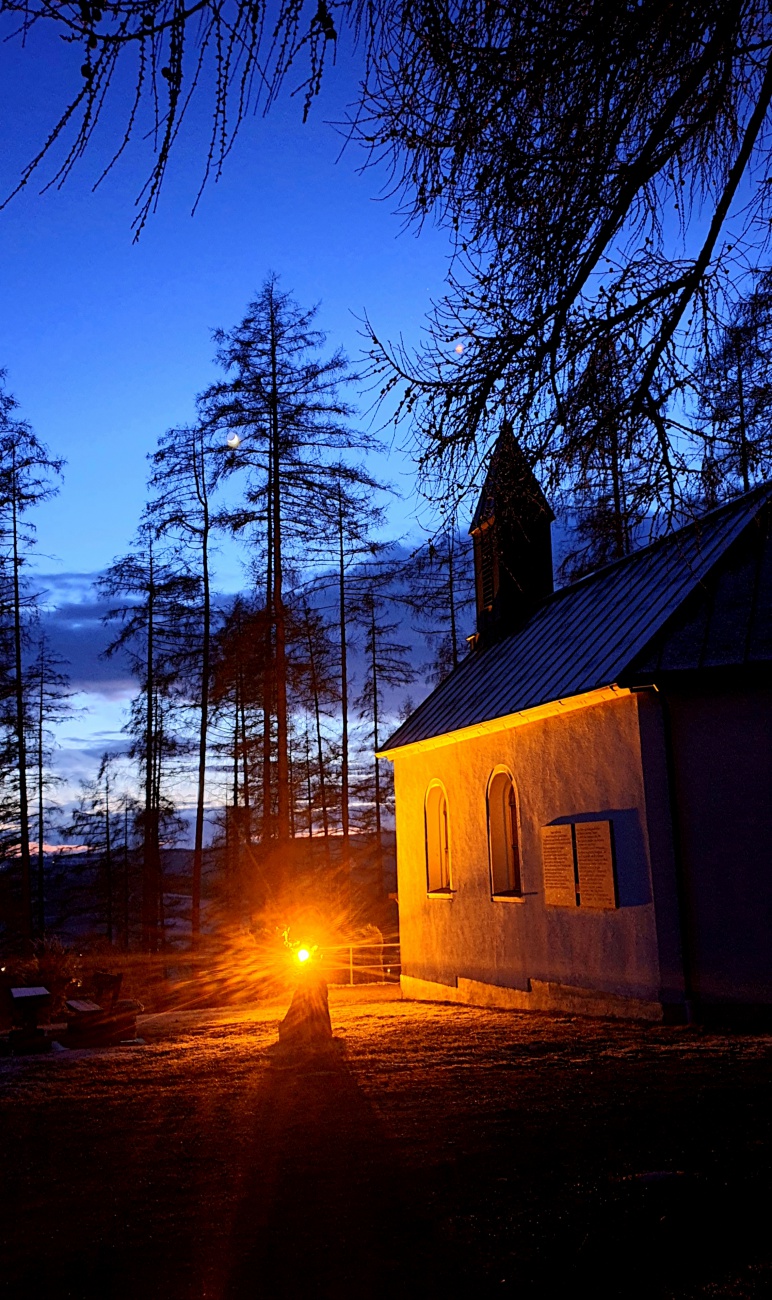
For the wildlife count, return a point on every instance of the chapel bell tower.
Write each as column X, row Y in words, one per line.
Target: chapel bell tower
column 511, row 529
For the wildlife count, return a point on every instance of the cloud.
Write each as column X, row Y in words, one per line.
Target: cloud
column 72, row 619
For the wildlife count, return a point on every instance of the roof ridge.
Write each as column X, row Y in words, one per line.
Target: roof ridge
column 666, row 539
column 587, row 633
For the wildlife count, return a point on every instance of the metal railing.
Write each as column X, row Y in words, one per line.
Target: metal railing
column 365, row 963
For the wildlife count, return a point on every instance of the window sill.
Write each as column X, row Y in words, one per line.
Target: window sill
column 510, row 897
column 441, row 893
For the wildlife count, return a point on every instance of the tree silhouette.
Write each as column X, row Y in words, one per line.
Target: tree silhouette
column 282, row 400
column 318, row 690
column 608, row 477
column 387, row 665
column 96, row 824
column 49, row 704
column 735, row 393
column 186, row 470
column 28, row 474
column 591, row 166
column 565, row 148
column 348, row 518
column 438, row 584
column 158, row 612
column 236, row 47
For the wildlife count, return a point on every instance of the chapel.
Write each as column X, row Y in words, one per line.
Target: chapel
column 584, row 806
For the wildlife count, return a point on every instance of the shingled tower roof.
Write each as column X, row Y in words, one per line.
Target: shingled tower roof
column 509, row 477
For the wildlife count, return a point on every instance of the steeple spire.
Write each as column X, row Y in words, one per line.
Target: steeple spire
column 512, row 542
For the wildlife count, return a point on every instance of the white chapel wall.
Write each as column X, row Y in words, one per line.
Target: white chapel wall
column 584, row 765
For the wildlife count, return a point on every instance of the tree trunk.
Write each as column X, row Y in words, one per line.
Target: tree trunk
column 150, row 862
column 244, row 754
column 108, row 863
column 744, row 465
column 268, row 692
column 318, row 725
column 283, row 828
column 203, row 731
column 236, row 752
column 309, row 790
column 41, row 875
column 452, row 602
column 343, row 685
column 344, row 791
column 158, row 753
column 126, row 878
column 24, row 852
column 378, row 835
column 291, row 790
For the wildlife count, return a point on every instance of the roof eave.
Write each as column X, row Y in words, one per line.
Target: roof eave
column 551, row 709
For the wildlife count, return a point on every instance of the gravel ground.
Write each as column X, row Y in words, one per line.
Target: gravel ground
column 444, row 1151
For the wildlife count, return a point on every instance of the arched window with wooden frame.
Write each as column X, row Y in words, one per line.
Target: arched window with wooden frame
column 503, row 836
column 438, row 879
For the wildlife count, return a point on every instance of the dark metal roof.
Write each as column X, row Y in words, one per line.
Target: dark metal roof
column 727, row 619
column 585, row 636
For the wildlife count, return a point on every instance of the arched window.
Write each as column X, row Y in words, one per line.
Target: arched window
column 503, row 840
column 437, row 840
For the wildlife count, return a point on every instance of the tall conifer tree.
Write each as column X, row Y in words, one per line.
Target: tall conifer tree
column 281, row 397
column 28, row 474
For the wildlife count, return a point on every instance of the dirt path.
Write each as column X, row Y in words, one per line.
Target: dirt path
column 448, row 1152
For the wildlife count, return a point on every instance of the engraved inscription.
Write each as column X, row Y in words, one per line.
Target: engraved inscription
column 595, row 864
column 557, row 851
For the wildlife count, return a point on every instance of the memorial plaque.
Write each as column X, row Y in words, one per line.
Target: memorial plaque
column 557, row 851
column 595, row 864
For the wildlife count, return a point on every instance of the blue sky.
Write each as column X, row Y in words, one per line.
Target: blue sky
column 106, row 341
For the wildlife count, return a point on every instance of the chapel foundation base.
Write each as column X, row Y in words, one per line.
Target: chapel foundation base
column 541, row 996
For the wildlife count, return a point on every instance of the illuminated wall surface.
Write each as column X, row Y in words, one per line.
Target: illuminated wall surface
column 604, row 763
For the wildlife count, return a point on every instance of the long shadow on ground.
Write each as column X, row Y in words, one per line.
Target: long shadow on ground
column 326, row 1209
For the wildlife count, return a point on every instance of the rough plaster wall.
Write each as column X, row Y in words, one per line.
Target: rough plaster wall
column 662, row 850
column 722, row 748
column 586, row 764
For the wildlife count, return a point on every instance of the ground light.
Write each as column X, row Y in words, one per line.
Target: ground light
column 306, row 1027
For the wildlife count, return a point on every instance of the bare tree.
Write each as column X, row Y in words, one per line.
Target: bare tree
column 281, row 399
column 50, row 703
column 437, row 583
column 186, row 470
column 236, row 697
column 237, row 49
column 318, row 690
column 344, row 546
column 602, row 171
column 734, row 387
column 28, row 474
column 607, row 476
column 388, row 665
column 158, row 605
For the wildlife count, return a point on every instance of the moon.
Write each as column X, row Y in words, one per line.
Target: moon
column 234, row 441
